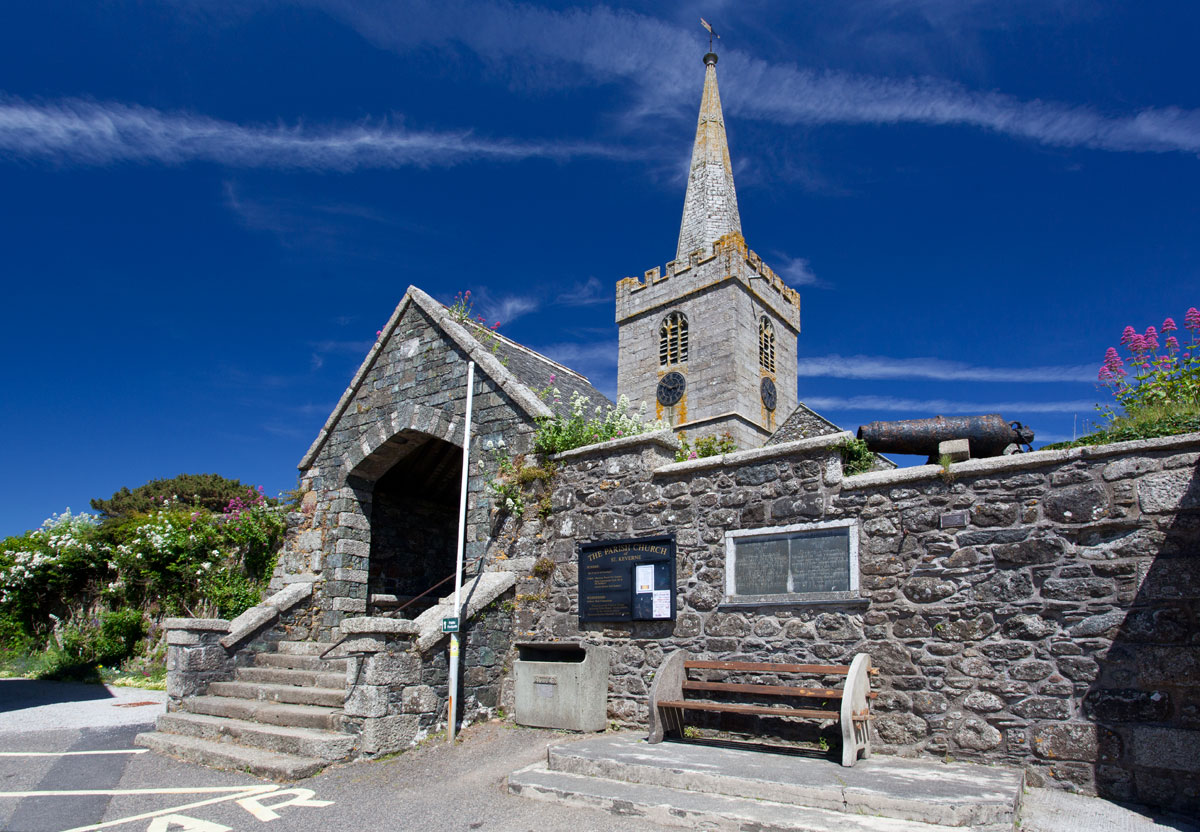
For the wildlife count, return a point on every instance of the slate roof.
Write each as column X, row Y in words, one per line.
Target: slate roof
column 535, row 370
column 519, row 371
column 804, row 423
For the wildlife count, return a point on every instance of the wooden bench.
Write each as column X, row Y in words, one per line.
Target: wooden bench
column 668, row 697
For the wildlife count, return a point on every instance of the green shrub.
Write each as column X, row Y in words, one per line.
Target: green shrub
column 715, row 445
column 857, row 458
column 580, row 426
column 230, row 593
column 108, row 640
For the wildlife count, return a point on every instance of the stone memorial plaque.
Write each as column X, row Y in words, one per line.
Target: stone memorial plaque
column 792, row 563
column 762, row 567
column 606, row 579
column 820, row 561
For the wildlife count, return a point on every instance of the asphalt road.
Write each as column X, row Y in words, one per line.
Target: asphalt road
column 54, row 779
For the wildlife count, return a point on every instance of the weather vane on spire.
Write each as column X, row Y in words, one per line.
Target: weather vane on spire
column 711, row 33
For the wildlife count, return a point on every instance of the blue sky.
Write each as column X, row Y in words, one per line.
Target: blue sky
column 209, row 208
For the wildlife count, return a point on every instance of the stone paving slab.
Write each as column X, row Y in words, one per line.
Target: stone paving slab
column 673, row 807
column 931, row 791
column 1052, row 810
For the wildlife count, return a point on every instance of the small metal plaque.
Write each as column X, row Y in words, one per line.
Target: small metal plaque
column 954, row 520
column 545, row 686
column 450, row 625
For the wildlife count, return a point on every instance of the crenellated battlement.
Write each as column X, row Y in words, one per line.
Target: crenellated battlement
column 729, row 257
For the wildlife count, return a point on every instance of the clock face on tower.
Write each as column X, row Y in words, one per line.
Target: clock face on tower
column 767, row 390
column 670, row 389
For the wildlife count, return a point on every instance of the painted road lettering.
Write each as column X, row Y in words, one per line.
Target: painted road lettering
column 300, row 797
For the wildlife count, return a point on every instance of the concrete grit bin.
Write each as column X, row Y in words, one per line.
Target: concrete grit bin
column 561, row 685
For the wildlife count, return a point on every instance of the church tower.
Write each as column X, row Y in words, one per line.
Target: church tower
column 709, row 342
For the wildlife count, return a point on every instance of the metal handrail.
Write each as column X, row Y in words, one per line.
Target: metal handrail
column 338, row 643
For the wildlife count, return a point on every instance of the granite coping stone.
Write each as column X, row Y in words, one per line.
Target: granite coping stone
column 205, row 625
column 664, row 438
column 477, row 594
column 249, row 622
column 379, row 626
column 768, row 452
column 289, row 596
column 1016, row 462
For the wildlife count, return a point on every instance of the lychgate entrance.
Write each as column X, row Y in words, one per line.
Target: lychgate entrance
column 412, row 514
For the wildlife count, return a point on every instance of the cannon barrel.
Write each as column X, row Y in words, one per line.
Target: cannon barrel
column 986, row 435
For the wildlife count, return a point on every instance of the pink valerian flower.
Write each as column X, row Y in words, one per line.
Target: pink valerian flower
column 1151, row 338
column 1172, row 343
column 1105, row 375
column 1191, row 320
column 1169, row 326
column 1137, row 344
column 1127, row 336
column 552, row 377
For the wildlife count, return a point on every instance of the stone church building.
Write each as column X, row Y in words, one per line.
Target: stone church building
column 1038, row 610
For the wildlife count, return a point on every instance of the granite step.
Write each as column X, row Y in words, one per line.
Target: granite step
column 303, row 648
column 225, row 755
column 300, row 742
column 268, row 713
column 296, row 661
column 692, row 809
column 929, row 791
column 289, row 694
column 295, row 678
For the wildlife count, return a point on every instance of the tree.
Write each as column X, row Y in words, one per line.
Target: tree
column 208, row 491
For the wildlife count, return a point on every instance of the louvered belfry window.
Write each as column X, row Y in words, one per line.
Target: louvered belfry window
column 673, row 339
column 766, row 345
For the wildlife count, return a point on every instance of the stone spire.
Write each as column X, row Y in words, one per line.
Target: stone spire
column 710, row 208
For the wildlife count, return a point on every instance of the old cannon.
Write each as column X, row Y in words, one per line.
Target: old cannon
column 989, row 435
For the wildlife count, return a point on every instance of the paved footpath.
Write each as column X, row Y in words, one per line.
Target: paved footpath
column 67, row 762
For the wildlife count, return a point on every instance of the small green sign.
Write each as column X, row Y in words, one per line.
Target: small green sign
column 450, row 625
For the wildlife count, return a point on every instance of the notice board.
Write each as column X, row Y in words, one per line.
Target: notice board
column 627, row 580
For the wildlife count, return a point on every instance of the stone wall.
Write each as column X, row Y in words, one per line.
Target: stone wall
column 397, row 695
column 1055, row 630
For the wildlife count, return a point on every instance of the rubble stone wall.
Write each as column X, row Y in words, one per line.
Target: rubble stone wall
column 396, row 695
column 1057, row 629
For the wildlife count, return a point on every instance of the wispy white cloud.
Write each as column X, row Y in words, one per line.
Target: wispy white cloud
column 74, row 131
column 499, row 308
column 587, row 293
column 323, row 349
column 596, row 359
column 938, row 369
column 942, row 406
column 797, row 271
column 597, row 45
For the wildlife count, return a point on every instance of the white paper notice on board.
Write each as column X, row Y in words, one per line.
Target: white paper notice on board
column 662, row 603
column 644, row 577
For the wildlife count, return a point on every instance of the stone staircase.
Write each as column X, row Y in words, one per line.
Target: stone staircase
column 712, row 788
column 280, row 719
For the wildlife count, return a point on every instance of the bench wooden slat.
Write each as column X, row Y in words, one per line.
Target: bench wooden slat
column 769, row 690
column 757, row 710
column 769, row 667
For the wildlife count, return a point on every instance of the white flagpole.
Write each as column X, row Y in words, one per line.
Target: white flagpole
column 452, row 701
